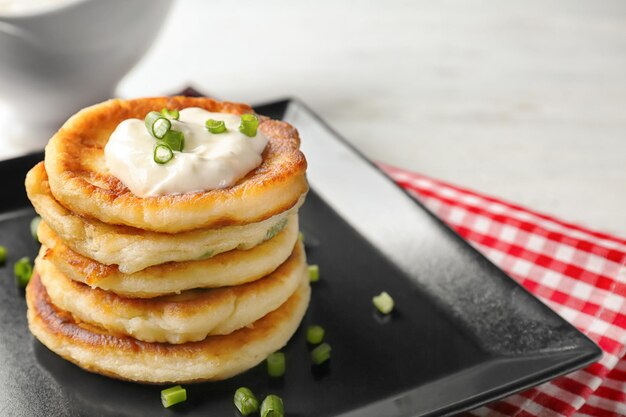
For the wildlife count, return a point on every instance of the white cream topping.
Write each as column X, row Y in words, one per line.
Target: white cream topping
column 208, row 161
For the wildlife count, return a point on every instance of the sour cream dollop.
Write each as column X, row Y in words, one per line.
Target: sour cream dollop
column 208, row 161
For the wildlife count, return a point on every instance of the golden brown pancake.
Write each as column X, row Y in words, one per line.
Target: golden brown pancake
column 134, row 249
column 187, row 317
column 226, row 269
column 80, row 181
column 215, row 358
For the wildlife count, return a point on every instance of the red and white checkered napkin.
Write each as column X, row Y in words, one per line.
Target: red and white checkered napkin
column 579, row 273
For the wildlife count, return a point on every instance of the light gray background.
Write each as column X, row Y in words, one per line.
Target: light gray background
column 525, row 100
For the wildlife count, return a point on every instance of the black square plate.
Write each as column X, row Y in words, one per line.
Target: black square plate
column 463, row 333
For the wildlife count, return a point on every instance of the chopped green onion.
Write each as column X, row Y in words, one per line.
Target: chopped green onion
column 162, row 154
column 157, row 125
column 170, row 114
column 249, row 125
column 174, row 139
column 173, row 395
column 206, row 255
column 34, row 225
column 245, row 401
column 301, row 236
column 3, row 255
column 383, row 302
column 314, row 273
column 314, row 334
column 276, row 364
column 23, row 270
column 272, row 406
column 320, row 354
column 276, row 229
column 215, row 126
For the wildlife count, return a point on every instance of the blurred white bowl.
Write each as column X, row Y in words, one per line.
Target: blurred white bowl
column 65, row 55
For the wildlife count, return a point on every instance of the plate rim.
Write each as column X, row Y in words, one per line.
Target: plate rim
column 589, row 353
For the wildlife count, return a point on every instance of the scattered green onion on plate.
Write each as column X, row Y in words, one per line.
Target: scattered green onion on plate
column 3, row 255
column 383, row 302
column 162, row 154
column 173, row 395
column 249, row 124
column 215, row 126
column 314, row 273
column 23, row 270
column 34, row 225
column 245, row 401
column 320, row 354
column 157, row 125
column 315, row 334
column 276, row 364
column 272, row 406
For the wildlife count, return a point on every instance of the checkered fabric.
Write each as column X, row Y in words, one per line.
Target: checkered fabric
column 579, row 273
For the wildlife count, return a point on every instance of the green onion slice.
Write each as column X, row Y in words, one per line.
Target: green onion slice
column 383, row 302
column 206, row 255
column 3, row 255
column 276, row 364
column 215, row 126
column 245, row 401
column 276, row 229
column 174, row 139
column 34, row 225
column 162, row 154
column 170, row 114
column 173, row 395
column 272, row 406
column 314, row 334
column 157, row 125
column 320, row 354
column 249, row 125
column 301, row 236
column 314, row 273
column 23, row 270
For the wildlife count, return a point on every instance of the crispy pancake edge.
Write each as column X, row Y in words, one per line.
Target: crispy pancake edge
column 235, row 267
column 273, row 187
column 136, row 249
column 190, row 316
column 215, row 358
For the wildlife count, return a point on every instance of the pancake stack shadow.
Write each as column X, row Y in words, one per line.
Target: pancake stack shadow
column 154, row 307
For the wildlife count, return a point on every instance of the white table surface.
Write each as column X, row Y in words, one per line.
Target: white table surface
column 521, row 100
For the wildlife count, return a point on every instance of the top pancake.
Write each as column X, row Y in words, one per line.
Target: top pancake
column 80, row 180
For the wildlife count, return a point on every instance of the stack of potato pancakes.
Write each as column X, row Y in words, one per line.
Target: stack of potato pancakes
column 174, row 288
